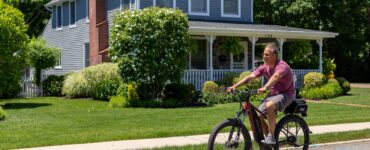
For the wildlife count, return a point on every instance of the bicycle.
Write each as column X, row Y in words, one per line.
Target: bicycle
column 227, row 134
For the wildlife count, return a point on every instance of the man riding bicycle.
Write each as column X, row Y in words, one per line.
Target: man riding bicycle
column 281, row 86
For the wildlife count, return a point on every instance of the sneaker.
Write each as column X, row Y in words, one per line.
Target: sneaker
column 269, row 139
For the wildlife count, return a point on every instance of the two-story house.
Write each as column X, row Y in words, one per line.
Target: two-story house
column 81, row 29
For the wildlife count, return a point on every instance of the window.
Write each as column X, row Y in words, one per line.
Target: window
column 59, row 17
column 87, row 11
column 72, row 14
column 199, row 7
column 199, row 58
column 87, row 54
column 230, row 8
column 59, row 63
column 165, row 3
column 125, row 5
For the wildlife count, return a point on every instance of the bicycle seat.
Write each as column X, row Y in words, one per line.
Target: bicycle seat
column 298, row 106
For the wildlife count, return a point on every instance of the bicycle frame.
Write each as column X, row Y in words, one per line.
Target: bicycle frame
column 247, row 108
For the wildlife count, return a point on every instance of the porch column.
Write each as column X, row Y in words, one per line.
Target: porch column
column 253, row 41
column 189, row 67
column 281, row 43
column 210, row 39
column 319, row 41
column 231, row 61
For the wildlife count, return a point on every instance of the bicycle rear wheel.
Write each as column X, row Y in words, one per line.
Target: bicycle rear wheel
column 292, row 131
column 230, row 134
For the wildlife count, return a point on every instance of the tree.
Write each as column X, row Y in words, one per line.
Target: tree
column 150, row 46
column 36, row 15
column 13, row 52
column 349, row 18
column 42, row 56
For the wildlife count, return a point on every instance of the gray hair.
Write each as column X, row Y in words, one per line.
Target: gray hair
column 274, row 48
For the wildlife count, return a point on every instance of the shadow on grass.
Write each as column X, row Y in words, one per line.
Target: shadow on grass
column 24, row 105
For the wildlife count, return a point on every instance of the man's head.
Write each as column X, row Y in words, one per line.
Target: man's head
column 270, row 54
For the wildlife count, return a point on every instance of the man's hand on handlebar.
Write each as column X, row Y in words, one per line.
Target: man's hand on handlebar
column 262, row 90
column 230, row 89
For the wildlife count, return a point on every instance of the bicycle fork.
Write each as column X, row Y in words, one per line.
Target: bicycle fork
column 239, row 127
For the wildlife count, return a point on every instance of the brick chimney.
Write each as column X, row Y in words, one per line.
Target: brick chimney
column 98, row 31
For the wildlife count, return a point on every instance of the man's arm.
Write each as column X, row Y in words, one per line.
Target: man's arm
column 243, row 81
column 272, row 81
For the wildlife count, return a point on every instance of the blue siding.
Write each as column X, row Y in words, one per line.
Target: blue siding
column 70, row 40
column 215, row 10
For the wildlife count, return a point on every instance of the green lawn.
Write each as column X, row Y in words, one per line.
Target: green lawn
column 55, row 121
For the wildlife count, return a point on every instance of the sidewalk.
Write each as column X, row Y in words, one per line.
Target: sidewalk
column 185, row 140
column 360, row 85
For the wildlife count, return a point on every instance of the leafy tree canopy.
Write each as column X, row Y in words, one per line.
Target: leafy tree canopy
column 13, row 49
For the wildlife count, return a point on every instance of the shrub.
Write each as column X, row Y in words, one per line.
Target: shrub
column 344, row 84
column 327, row 91
column 105, row 89
column 333, row 81
column 255, row 84
column 228, row 79
column 118, row 101
column 2, row 113
column 218, row 98
column 134, row 43
column 210, row 87
column 13, row 49
column 97, row 73
column 85, row 83
column 313, row 80
column 75, row 85
column 179, row 92
column 52, row 85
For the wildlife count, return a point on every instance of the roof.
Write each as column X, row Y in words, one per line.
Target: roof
column 54, row 2
column 255, row 30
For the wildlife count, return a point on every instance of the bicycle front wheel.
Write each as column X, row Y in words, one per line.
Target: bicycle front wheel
column 292, row 131
column 230, row 134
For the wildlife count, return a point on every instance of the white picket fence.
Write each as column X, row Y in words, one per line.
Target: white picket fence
column 198, row 77
column 29, row 89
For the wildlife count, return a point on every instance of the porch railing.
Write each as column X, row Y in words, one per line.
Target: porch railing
column 198, row 77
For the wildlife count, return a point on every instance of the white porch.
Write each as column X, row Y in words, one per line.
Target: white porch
column 250, row 34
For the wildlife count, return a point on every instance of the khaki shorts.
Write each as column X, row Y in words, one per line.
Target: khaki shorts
column 281, row 102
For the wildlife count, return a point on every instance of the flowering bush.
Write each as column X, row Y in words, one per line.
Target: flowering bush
column 150, row 46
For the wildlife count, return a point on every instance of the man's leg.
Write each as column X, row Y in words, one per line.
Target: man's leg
column 271, row 116
column 263, row 124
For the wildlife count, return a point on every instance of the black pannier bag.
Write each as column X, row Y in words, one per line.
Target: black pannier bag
column 298, row 106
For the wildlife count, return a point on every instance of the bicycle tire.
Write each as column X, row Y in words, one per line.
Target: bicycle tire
column 285, row 136
column 229, row 125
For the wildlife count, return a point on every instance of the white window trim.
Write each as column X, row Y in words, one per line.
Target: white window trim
column 173, row 2
column 121, row 4
column 61, row 18
column 87, row 11
column 69, row 12
column 59, row 66
column 231, row 15
column 198, row 13
column 137, row 2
